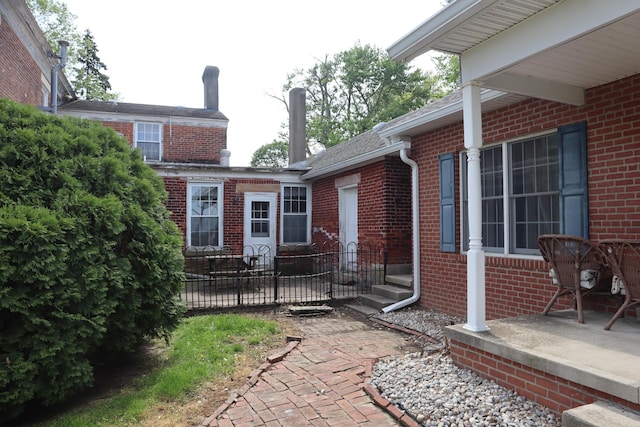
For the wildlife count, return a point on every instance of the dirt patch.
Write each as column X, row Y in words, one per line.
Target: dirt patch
column 212, row 394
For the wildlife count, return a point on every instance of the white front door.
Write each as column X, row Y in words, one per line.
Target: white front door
column 348, row 206
column 260, row 225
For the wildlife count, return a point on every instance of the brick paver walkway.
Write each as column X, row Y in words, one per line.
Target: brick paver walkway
column 319, row 381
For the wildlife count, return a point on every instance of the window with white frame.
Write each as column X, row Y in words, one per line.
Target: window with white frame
column 204, row 212
column 260, row 221
column 148, row 137
column 295, row 214
column 530, row 187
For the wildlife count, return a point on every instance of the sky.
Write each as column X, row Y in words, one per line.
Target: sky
column 156, row 51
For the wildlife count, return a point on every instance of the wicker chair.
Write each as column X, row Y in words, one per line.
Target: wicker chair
column 624, row 258
column 578, row 266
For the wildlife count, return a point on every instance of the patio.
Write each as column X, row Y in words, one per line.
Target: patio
column 555, row 360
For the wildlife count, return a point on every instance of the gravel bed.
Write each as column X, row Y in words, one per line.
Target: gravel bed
column 437, row 393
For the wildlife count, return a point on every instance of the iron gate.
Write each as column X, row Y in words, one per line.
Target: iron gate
column 220, row 278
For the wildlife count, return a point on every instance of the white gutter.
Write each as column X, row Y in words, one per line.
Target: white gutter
column 415, row 219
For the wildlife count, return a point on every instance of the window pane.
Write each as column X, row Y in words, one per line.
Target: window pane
column 150, row 151
column 260, row 229
column 492, row 223
column 204, row 232
column 491, row 172
column 294, row 220
column 204, row 201
column 534, row 191
column 260, row 219
column 148, row 140
column 203, row 216
column 295, row 228
column 259, row 210
column 517, row 181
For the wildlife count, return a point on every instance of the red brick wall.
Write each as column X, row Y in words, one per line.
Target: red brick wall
column 233, row 216
column 183, row 144
column 20, row 77
column 177, row 203
column 124, row 128
column 394, row 226
column 384, row 208
column 556, row 393
column 193, row 144
column 325, row 220
column 233, row 233
column 517, row 286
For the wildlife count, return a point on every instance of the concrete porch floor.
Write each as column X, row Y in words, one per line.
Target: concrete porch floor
column 607, row 361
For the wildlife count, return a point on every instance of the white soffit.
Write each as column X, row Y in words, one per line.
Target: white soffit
column 543, row 48
column 596, row 58
column 494, row 19
column 572, row 35
column 464, row 24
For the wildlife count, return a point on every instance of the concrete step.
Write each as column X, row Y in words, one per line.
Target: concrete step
column 405, row 280
column 364, row 309
column 375, row 301
column 599, row 414
column 395, row 293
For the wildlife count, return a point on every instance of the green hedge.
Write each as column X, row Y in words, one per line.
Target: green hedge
column 90, row 263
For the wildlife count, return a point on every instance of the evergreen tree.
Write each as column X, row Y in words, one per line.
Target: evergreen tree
column 90, row 83
column 58, row 23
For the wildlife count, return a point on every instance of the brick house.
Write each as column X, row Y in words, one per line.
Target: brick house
column 27, row 63
column 412, row 170
column 361, row 194
column 549, row 143
column 212, row 203
column 542, row 137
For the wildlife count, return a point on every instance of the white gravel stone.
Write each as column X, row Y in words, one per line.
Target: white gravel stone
column 436, row 392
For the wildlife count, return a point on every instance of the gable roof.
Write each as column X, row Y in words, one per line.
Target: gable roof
column 351, row 150
column 365, row 148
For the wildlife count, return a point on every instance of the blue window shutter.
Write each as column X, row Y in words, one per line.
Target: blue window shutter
column 447, row 203
column 574, row 205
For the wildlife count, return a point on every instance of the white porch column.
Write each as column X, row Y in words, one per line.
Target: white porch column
column 476, row 299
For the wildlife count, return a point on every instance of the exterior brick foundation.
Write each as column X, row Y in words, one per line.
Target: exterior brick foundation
column 552, row 391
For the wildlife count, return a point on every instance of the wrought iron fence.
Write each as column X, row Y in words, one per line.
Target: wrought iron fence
column 219, row 278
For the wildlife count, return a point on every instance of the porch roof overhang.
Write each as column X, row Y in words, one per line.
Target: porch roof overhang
column 548, row 49
column 444, row 112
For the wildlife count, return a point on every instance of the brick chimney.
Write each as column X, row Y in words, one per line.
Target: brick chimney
column 297, row 125
column 210, row 80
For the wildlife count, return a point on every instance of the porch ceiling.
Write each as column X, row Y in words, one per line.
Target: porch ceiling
column 549, row 49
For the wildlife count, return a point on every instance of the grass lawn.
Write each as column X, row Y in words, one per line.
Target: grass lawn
column 182, row 382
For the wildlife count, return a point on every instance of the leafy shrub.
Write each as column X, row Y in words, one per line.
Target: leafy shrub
column 89, row 261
